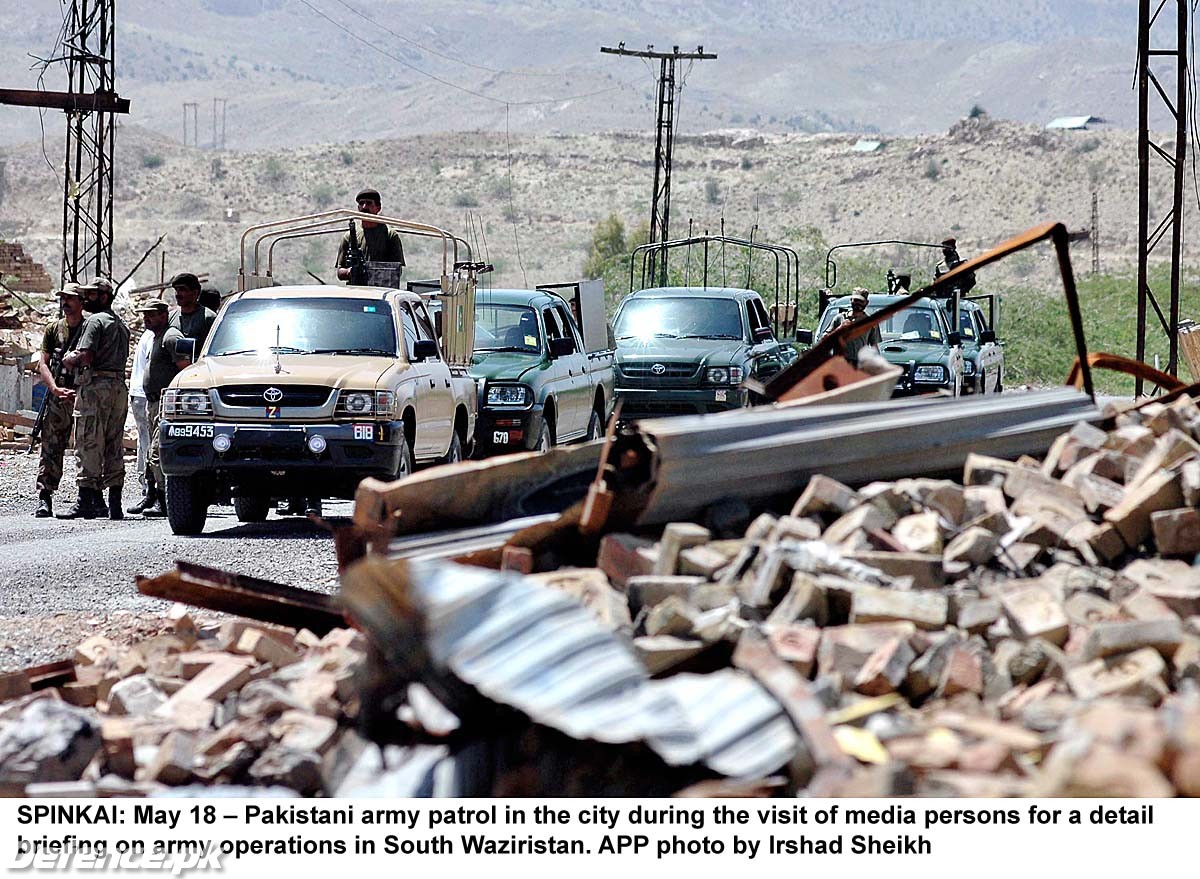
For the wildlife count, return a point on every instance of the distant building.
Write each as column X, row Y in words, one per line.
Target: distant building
column 1075, row 123
column 867, row 146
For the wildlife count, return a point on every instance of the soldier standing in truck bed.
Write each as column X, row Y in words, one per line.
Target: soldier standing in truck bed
column 103, row 402
column 59, row 340
column 858, row 311
column 378, row 242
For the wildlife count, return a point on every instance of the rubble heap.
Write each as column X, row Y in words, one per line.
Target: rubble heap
column 1034, row 630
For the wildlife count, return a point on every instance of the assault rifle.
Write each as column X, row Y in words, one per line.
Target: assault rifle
column 356, row 260
column 56, row 360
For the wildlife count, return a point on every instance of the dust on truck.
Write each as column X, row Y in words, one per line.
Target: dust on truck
column 305, row 390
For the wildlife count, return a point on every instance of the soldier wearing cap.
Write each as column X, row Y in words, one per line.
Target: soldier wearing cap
column 162, row 366
column 59, row 339
column 378, row 242
column 103, row 402
column 858, row 311
column 950, row 261
column 194, row 319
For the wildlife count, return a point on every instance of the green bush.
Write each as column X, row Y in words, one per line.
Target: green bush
column 151, row 160
column 273, row 171
column 347, row 157
column 323, row 194
column 465, row 200
column 977, row 111
column 712, row 191
column 933, row 169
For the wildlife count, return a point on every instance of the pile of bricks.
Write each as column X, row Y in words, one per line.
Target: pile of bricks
column 20, row 272
column 229, row 703
column 1035, row 630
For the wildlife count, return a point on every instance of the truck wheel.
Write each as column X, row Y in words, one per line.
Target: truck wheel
column 595, row 427
column 455, row 453
column 251, row 507
column 406, row 466
column 544, row 442
column 187, row 505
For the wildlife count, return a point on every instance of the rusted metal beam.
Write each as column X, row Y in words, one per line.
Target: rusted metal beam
column 262, row 600
column 102, row 102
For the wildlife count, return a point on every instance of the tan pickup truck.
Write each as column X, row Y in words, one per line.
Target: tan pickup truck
column 302, row 391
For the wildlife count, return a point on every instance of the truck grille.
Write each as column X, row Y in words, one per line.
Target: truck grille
column 293, row 395
column 646, row 370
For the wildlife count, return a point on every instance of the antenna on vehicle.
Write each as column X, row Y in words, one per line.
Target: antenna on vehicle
column 724, row 278
column 278, row 365
column 687, row 275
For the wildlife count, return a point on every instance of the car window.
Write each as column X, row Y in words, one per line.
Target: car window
column 506, row 328
column 424, row 326
column 678, row 317
column 759, row 317
column 552, row 330
column 919, row 323
column 967, row 326
column 568, row 325
column 409, row 326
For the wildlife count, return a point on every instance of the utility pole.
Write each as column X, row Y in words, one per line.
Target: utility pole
column 664, row 142
column 1174, row 62
column 1095, row 233
column 218, row 122
column 191, row 108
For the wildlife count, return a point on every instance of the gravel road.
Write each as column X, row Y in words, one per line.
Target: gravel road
column 61, row 581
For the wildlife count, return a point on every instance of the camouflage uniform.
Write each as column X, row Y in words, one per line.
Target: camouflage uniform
column 103, row 403
column 159, row 373
column 56, row 425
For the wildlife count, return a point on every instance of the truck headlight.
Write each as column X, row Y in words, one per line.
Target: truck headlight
column 357, row 403
column 507, row 395
column 930, row 374
column 186, row 403
column 723, row 375
column 968, row 367
column 385, row 404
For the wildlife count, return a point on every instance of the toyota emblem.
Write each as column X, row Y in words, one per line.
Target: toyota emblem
column 658, row 369
column 272, row 395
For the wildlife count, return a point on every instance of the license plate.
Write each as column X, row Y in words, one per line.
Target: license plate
column 364, row 431
column 199, row 431
column 722, row 396
column 500, row 437
column 274, row 412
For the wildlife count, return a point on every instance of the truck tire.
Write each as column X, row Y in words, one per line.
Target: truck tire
column 595, row 429
column 187, row 505
column 544, row 442
column 455, row 453
column 251, row 507
column 406, row 466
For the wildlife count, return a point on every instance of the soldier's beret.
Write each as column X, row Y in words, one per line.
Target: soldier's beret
column 369, row 195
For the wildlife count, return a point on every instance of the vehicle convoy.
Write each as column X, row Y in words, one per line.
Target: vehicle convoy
column 543, row 378
column 982, row 352
column 687, row 349
column 302, row 391
column 918, row 339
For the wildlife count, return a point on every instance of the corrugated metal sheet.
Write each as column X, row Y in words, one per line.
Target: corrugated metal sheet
column 532, row 648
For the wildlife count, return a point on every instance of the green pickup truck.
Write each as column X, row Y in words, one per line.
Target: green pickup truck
column 545, row 377
column 687, row 350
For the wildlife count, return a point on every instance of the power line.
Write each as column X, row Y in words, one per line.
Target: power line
column 449, row 83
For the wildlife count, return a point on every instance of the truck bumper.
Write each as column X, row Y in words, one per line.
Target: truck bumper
column 499, row 431
column 279, row 459
column 653, row 402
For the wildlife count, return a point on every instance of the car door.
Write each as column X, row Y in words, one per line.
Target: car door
column 990, row 355
column 441, row 393
column 423, row 386
column 766, row 352
column 579, row 386
column 556, row 380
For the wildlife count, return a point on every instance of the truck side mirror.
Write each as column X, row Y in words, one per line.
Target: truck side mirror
column 955, row 340
column 425, row 349
column 561, row 347
column 987, row 336
column 761, row 334
column 804, row 337
column 185, row 349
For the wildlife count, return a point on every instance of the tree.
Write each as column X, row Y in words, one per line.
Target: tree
column 977, row 111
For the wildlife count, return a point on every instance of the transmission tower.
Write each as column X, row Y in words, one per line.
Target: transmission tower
column 1174, row 62
column 90, row 105
column 1095, row 236
column 190, row 108
column 664, row 142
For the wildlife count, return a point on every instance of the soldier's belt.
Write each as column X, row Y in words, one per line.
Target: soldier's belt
column 108, row 373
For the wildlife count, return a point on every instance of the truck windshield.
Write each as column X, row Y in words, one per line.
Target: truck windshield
column 305, row 326
column 506, row 328
column 680, row 318
column 915, row 324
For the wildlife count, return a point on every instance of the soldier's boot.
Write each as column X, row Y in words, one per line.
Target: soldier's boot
column 148, row 500
column 114, row 503
column 90, row 505
column 45, row 507
column 156, row 510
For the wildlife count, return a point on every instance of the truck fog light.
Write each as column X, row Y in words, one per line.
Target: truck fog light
column 316, row 444
column 222, row 442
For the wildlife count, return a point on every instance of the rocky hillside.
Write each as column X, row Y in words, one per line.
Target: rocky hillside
column 981, row 181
